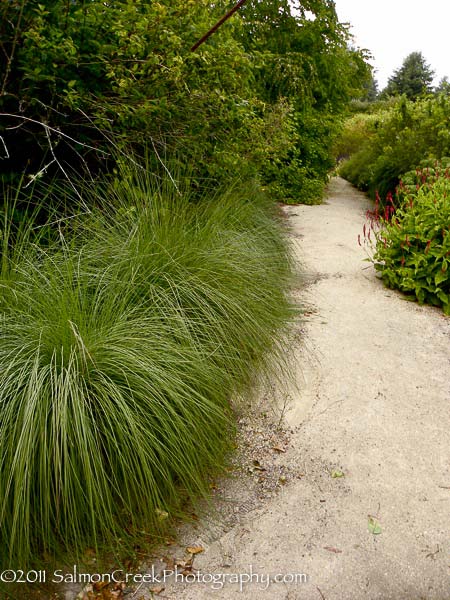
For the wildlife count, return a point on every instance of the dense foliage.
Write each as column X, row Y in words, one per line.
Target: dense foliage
column 261, row 98
column 399, row 151
column 413, row 240
column 386, row 144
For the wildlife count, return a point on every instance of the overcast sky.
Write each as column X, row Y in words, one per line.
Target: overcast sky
column 392, row 29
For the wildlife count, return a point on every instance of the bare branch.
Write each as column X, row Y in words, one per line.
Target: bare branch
column 48, row 128
column 77, row 193
column 218, row 24
column 13, row 49
column 136, row 164
column 6, row 149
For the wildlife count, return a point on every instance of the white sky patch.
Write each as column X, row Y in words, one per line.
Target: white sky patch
column 310, row 15
column 392, row 29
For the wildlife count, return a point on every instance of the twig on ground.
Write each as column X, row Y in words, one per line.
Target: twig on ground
column 328, row 407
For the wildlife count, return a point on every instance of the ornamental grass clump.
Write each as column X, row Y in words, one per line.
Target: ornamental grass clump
column 122, row 345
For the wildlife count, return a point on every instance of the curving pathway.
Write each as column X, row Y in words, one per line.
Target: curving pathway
column 368, row 514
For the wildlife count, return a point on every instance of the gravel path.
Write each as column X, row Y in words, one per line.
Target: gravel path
column 365, row 511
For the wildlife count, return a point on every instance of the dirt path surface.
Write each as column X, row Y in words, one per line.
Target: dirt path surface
column 365, row 511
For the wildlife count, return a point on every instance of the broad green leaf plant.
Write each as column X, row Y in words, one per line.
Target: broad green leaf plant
column 413, row 245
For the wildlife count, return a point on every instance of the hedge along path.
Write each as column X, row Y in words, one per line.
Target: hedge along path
column 367, row 515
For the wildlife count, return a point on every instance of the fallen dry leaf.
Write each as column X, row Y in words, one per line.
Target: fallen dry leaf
column 157, row 590
column 278, row 449
column 120, row 585
column 185, row 564
column 169, row 562
column 257, row 466
column 108, row 595
column 195, row 549
column 181, row 563
column 100, row 585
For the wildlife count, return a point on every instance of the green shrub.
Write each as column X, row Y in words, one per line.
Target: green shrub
column 425, row 175
column 398, row 141
column 354, row 134
column 122, row 345
column 413, row 248
column 78, row 75
column 298, row 186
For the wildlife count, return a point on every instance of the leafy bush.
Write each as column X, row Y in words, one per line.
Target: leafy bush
column 398, row 141
column 122, row 343
column 77, row 76
column 354, row 134
column 413, row 248
column 424, row 176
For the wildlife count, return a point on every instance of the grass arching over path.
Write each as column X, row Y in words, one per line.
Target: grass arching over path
column 122, row 344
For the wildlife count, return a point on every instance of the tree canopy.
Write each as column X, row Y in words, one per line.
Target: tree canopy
column 260, row 98
column 413, row 78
